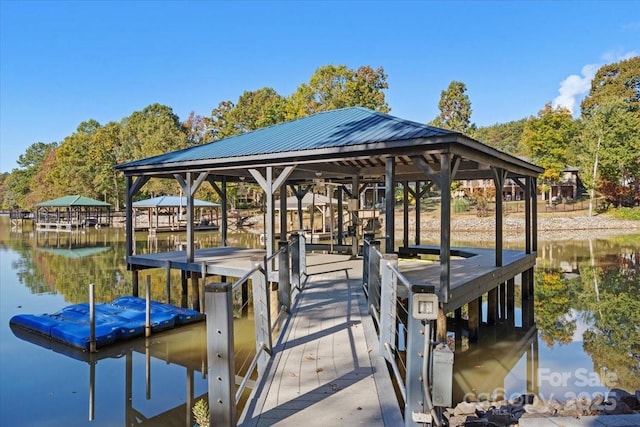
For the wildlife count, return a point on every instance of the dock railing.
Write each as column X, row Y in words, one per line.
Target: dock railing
column 404, row 315
column 223, row 394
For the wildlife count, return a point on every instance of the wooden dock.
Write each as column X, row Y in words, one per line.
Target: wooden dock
column 325, row 371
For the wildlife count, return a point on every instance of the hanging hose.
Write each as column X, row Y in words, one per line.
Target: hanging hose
column 426, row 374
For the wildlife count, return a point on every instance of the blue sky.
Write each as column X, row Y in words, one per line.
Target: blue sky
column 66, row 62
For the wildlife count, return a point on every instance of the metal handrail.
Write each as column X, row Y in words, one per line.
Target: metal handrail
column 252, row 367
column 247, row 276
column 396, row 372
column 273, row 255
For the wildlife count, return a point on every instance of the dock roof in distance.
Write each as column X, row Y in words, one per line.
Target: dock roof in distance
column 72, row 201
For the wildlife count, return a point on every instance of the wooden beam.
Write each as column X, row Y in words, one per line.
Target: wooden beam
column 389, row 199
column 445, row 226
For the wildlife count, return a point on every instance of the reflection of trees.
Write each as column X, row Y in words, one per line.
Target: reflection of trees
column 606, row 296
column 613, row 339
column 553, row 299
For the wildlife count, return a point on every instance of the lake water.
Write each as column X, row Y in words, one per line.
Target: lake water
column 587, row 315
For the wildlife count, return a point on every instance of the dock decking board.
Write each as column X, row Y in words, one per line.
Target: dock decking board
column 325, row 371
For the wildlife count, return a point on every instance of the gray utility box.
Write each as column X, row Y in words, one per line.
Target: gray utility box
column 442, row 376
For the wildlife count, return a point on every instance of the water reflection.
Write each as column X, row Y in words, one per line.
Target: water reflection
column 588, row 327
column 587, row 339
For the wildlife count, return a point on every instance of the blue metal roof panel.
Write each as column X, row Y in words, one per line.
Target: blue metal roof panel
column 335, row 128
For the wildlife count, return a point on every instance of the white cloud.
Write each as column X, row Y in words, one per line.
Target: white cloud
column 575, row 86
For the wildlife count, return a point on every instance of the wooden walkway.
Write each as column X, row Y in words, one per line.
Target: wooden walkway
column 326, row 371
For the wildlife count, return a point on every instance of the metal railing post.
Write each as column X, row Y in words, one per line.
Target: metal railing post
column 220, row 354
column 92, row 319
column 373, row 271
column 261, row 311
column 414, row 376
column 388, row 307
column 295, row 261
column 284, row 278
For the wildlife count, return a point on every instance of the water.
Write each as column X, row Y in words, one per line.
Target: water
column 587, row 314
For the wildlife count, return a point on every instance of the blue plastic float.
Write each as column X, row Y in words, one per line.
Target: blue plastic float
column 122, row 319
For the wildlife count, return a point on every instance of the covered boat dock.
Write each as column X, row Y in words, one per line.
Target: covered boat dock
column 352, row 149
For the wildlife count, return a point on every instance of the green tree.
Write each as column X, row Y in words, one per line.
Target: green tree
column 105, row 152
column 506, row 137
column 455, row 109
column 611, row 133
column 254, row 110
column 337, row 86
column 153, row 131
column 548, row 139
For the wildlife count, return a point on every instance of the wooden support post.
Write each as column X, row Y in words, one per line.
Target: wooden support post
column 195, row 292
column 405, row 214
column 201, row 293
column 458, row 320
column 147, row 318
column 441, row 325
column 511, row 306
column 492, row 306
column 389, row 199
column 220, row 355
column 168, row 281
column 475, row 314
column 185, row 289
column 134, row 283
column 340, row 217
column 502, row 301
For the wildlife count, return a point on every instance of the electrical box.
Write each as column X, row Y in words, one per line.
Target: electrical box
column 442, row 376
column 425, row 306
column 352, row 205
column 351, row 230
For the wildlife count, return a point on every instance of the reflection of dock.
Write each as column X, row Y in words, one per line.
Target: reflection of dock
column 185, row 347
column 483, row 368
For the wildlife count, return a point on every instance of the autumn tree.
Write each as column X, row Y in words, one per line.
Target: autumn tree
column 20, row 182
column 548, row 138
column 610, row 155
column 73, row 171
column 455, row 109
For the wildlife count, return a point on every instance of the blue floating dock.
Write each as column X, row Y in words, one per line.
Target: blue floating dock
column 122, row 319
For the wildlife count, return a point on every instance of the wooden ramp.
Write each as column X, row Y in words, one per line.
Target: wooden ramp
column 326, row 370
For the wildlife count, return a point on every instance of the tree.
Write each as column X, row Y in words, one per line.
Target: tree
column 153, row 131
column 548, row 138
column 455, row 109
column 506, row 137
column 611, row 133
column 196, row 129
column 19, row 184
column 337, row 86
column 73, row 171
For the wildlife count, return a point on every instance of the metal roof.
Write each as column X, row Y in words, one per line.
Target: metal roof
column 68, row 201
column 336, row 128
column 338, row 145
column 172, row 201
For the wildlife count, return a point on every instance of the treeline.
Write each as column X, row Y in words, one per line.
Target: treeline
column 604, row 142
